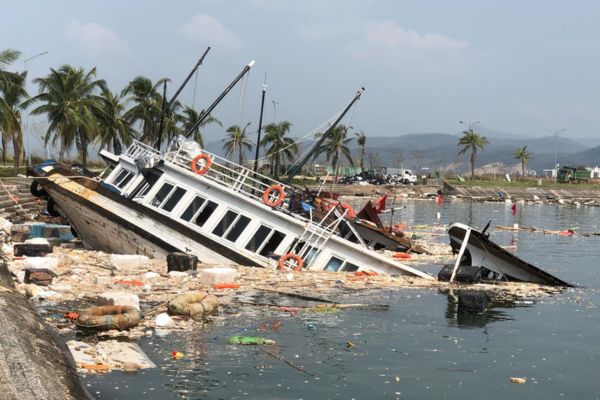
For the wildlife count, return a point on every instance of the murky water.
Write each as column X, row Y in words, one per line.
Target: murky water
column 418, row 349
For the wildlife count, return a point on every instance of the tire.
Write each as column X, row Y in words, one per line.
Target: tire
column 50, row 207
column 37, row 190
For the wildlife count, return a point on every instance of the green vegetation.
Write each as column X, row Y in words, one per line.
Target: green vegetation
column 361, row 140
column 236, row 141
column 336, row 148
column 471, row 141
column 522, row 155
column 281, row 148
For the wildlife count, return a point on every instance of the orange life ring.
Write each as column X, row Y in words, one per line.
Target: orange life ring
column 273, row 203
column 207, row 164
column 295, row 257
column 351, row 213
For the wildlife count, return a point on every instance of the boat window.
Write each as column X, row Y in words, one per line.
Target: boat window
column 238, row 228
column 162, row 194
column 274, row 241
column 122, row 178
column 258, row 238
column 309, row 254
column 334, row 264
column 225, row 222
column 206, row 212
column 128, row 175
column 193, row 208
column 349, row 267
column 173, row 199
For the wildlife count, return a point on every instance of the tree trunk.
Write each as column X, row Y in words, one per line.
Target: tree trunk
column 523, row 169
column 362, row 158
column 472, row 165
column 17, row 152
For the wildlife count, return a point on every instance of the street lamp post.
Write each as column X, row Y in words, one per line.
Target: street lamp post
column 27, row 120
column 555, row 133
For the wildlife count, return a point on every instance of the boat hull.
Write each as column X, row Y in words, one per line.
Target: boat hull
column 482, row 252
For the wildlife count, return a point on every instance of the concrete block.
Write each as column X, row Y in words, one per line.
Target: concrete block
column 119, row 299
column 126, row 262
column 181, row 262
column 217, row 275
column 32, row 249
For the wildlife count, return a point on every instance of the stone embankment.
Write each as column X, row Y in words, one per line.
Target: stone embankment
column 568, row 195
column 16, row 202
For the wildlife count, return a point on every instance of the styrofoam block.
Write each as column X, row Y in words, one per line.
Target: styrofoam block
column 119, row 299
column 124, row 262
column 216, row 275
column 50, row 263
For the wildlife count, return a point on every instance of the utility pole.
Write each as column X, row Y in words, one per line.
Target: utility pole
column 27, row 118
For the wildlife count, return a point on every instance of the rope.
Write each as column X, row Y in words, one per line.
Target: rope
column 15, row 199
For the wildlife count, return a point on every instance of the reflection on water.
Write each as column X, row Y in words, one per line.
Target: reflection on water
column 418, row 349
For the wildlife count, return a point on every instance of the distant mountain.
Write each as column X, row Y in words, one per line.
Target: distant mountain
column 439, row 150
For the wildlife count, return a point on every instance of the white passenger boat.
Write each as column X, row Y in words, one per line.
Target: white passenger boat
column 189, row 200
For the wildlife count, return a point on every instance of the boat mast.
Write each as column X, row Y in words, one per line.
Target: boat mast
column 168, row 106
column 294, row 169
column 205, row 113
column 260, row 120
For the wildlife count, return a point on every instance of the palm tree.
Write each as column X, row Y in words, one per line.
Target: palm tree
column 237, row 141
column 147, row 105
column 361, row 139
column 190, row 117
column 523, row 155
column 13, row 94
column 70, row 101
column 115, row 131
column 281, row 147
column 470, row 142
column 336, row 146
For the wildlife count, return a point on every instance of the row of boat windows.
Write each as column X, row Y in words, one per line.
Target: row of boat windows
column 231, row 226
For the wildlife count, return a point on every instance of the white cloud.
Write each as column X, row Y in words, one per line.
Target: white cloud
column 387, row 43
column 391, row 35
column 203, row 28
column 96, row 40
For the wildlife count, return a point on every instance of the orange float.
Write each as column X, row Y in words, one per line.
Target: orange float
column 291, row 256
column 207, row 164
column 266, row 197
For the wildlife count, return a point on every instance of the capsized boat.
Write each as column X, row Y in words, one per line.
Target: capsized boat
column 480, row 251
column 193, row 201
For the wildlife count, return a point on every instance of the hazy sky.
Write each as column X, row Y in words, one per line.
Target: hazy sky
column 516, row 66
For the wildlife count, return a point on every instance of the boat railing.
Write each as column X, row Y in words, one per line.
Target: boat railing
column 245, row 182
column 138, row 149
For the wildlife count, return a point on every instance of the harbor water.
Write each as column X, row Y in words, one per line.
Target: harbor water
column 417, row 349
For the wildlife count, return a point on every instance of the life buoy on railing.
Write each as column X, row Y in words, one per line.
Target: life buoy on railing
column 207, row 164
column 266, row 197
column 291, row 256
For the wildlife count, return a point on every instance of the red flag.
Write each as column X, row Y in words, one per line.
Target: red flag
column 514, row 209
column 379, row 205
column 439, row 200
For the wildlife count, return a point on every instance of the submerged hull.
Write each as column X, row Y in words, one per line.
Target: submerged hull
column 482, row 252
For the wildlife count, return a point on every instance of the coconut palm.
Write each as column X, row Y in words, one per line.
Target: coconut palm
column 281, row 148
column 471, row 141
column 115, row 131
column 336, row 148
column 147, row 104
column 236, row 141
column 69, row 99
column 523, row 155
column 361, row 140
column 190, row 117
column 12, row 97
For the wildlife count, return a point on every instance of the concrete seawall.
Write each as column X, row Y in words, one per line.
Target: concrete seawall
column 524, row 193
column 33, row 366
